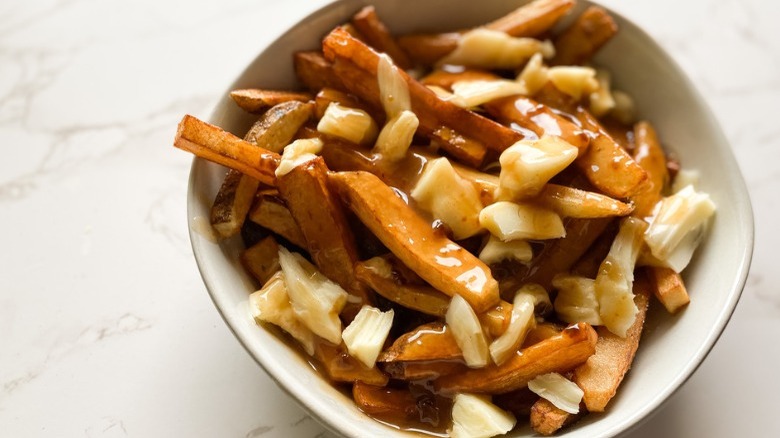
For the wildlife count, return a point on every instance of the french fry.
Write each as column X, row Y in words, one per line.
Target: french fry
column 261, row 259
column 529, row 20
column 422, row 369
column 649, row 155
column 538, row 118
column 274, row 130
column 315, row 72
column 414, row 242
column 588, row 265
column 271, row 212
column 339, row 366
column 570, row 202
column 214, row 144
column 232, row 203
column 610, row 169
column 255, row 100
column 421, row 298
column 559, row 255
column 277, row 126
column 496, row 320
column 606, row 165
column 376, row 35
column 600, row 376
column 546, row 418
column 669, row 289
column 319, row 214
column 433, row 341
column 375, row 400
column 580, row 41
column 431, row 111
column 559, row 353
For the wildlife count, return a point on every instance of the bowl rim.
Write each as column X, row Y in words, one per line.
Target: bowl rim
column 630, row 423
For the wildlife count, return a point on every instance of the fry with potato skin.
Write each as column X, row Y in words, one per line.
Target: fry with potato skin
column 649, row 155
column 556, row 354
column 559, row 255
column 270, row 212
column 257, row 100
column 375, row 33
column 433, row 341
column 600, row 376
column 319, row 214
column 570, row 202
column 580, row 41
column 538, row 118
column 431, row 111
column 435, row 258
column 529, row 20
column 232, row 203
column 261, row 259
column 606, row 165
column 421, row 298
column 315, row 72
column 546, row 418
column 669, row 288
column 219, row 146
column 339, row 366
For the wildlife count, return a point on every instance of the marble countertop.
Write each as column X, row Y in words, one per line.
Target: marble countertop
column 106, row 329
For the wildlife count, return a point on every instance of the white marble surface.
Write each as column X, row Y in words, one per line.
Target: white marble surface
column 105, row 326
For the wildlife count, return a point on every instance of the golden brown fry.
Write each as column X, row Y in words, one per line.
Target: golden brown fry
column 529, row 20
column 315, row 72
column 438, row 260
column 273, row 131
column 669, row 289
column 580, row 41
column 339, row 366
column 376, row 35
column 546, row 418
column 375, row 400
column 601, row 375
column 271, row 212
column 606, row 165
column 433, row 341
column 214, row 144
column 538, row 118
column 421, row 298
column 320, row 216
column 422, row 369
column 588, row 265
column 649, row 155
column 432, row 112
column 532, row 19
column 277, row 126
column 232, row 203
column 610, row 169
column 261, row 259
column 255, row 100
column 556, row 354
column 496, row 320
column 541, row 332
column 559, row 255
column 570, row 202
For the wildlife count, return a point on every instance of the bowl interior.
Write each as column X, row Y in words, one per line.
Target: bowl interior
column 671, row 348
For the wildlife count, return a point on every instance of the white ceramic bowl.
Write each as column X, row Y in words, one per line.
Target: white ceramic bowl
column 672, row 347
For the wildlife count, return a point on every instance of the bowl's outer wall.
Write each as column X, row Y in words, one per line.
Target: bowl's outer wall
column 672, row 347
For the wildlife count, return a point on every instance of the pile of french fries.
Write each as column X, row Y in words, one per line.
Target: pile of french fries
column 465, row 228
